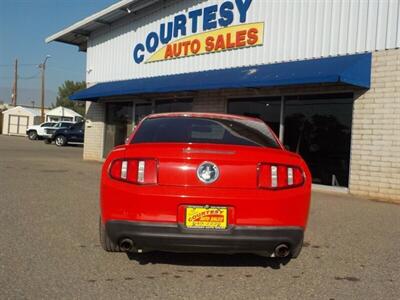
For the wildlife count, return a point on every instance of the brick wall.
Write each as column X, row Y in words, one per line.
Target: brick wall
column 94, row 131
column 375, row 155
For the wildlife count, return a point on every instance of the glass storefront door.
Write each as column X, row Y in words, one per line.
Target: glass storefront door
column 119, row 124
column 318, row 127
column 141, row 111
column 122, row 117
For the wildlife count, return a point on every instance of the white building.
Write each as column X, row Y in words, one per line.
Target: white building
column 323, row 74
column 61, row 113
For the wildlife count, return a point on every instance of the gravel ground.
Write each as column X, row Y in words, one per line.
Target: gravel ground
column 49, row 244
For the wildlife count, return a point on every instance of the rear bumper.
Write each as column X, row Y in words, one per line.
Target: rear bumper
column 177, row 238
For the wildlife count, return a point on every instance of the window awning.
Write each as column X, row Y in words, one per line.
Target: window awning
column 353, row 70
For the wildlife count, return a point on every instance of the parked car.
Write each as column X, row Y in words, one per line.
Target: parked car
column 204, row 183
column 35, row 132
column 74, row 133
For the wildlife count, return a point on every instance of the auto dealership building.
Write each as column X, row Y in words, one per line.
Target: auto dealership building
column 324, row 75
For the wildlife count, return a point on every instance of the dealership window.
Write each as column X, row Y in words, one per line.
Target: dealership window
column 266, row 108
column 173, row 105
column 318, row 127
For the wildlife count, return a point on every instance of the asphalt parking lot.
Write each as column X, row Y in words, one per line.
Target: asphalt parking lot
column 49, row 244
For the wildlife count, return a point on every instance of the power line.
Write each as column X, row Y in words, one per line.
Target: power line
column 36, row 75
column 29, row 77
column 65, row 70
column 19, row 65
column 54, row 69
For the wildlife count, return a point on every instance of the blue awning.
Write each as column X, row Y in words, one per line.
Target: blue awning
column 351, row 69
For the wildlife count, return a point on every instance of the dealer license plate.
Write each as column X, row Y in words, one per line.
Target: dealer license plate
column 206, row 218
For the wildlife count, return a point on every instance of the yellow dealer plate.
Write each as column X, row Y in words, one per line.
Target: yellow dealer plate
column 207, row 218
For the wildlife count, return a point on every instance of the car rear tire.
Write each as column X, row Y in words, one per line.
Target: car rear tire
column 32, row 135
column 60, row 140
column 107, row 244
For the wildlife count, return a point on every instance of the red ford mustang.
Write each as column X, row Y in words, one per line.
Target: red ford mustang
column 200, row 182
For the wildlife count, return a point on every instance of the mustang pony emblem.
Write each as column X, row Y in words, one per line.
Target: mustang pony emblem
column 208, row 172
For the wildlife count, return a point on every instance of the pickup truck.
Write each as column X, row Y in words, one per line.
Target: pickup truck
column 35, row 132
column 51, row 130
column 62, row 136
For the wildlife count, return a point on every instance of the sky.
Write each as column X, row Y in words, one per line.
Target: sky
column 24, row 25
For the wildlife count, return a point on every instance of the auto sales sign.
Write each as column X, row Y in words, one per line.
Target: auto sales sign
column 201, row 31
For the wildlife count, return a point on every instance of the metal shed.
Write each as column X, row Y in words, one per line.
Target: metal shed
column 16, row 120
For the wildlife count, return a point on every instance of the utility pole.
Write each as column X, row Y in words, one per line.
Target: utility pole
column 42, row 66
column 15, row 88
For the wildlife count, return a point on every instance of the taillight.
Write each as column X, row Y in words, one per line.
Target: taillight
column 274, row 176
column 138, row 171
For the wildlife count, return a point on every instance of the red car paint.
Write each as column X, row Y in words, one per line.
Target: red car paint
column 175, row 184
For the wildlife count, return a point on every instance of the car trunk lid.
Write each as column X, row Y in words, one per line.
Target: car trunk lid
column 178, row 164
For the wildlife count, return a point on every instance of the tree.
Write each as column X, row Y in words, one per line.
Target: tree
column 67, row 89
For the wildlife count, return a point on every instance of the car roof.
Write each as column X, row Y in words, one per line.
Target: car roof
column 201, row 115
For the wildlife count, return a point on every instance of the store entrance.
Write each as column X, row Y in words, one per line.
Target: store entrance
column 122, row 117
column 118, row 124
column 142, row 110
column 318, row 127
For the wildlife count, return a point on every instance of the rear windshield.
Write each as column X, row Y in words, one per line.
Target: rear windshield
column 205, row 130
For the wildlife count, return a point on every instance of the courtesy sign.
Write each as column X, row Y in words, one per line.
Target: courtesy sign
column 201, row 31
column 229, row 38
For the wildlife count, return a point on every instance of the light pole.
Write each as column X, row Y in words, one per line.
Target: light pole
column 42, row 66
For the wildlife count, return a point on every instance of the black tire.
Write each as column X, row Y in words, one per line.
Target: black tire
column 32, row 135
column 105, row 242
column 60, row 140
column 47, row 141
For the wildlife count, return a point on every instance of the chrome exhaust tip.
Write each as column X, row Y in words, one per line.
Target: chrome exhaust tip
column 282, row 251
column 126, row 245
